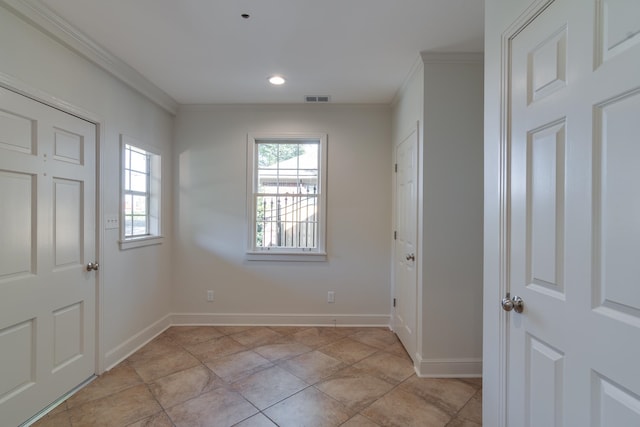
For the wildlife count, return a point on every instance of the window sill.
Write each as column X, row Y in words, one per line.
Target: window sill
column 286, row 256
column 139, row 242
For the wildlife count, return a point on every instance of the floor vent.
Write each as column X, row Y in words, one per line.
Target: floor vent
column 317, row 98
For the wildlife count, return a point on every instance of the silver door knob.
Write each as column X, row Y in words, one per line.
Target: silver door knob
column 92, row 266
column 516, row 303
column 411, row 257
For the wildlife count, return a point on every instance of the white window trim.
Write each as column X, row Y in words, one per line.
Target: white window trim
column 155, row 196
column 286, row 254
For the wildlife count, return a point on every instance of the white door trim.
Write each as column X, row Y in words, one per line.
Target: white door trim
column 16, row 85
column 496, row 363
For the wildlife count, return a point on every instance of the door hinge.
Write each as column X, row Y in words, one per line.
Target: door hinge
column 395, row 235
column 394, row 302
column 395, row 169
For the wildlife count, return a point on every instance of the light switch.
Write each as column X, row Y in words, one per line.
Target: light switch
column 110, row 221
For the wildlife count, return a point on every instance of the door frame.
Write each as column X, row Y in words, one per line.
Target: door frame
column 15, row 85
column 497, row 247
column 418, row 263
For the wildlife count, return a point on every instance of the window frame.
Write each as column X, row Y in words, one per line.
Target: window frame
column 153, row 194
column 253, row 253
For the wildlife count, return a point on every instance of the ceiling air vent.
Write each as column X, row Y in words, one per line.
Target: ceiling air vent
column 317, row 98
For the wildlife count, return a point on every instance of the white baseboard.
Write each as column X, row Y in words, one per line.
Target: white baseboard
column 449, row 368
column 381, row 320
column 124, row 350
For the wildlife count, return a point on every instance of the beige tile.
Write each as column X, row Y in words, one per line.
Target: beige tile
column 359, row 421
column 62, row 406
column 60, row 419
column 164, row 364
column 375, row 337
column 220, row 407
column 255, row 337
column 460, row 422
column 269, row 386
column 312, row 366
column 288, row 330
column 348, row 350
column 184, row 385
column 120, row 409
column 187, row 335
column 448, row 394
column 316, row 337
column 282, row 350
column 402, row 409
column 390, row 368
column 156, row 347
column 475, row 382
column 397, row 349
column 354, row 389
column 219, row 347
column 232, row 368
column 228, row 330
column 117, row 379
column 309, row 408
column 258, row 420
column 158, row 420
column 472, row 411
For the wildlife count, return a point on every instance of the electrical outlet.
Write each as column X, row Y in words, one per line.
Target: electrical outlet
column 331, row 297
column 209, row 295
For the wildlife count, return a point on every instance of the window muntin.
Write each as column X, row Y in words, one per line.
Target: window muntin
column 287, row 197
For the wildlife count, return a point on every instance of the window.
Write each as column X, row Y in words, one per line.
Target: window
column 287, row 197
column 140, row 216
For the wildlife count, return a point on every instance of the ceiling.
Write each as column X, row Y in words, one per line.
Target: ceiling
column 204, row 52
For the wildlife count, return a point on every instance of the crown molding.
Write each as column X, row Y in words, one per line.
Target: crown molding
column 452, row 57
column 47, row 21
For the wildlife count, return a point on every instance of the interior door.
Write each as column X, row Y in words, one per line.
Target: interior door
column 574, row 216
column 47, row 235
column 406, row 295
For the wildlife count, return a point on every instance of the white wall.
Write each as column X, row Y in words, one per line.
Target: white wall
column 210, row 163
column 133, row 298
column 446, row 94
column 453, row 201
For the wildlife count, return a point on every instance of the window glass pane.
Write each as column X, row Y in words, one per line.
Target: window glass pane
column 139, row 205
column 139, row 182
column 267, row 181
column 128, row 204
column 128, row 225
column 139, row 225
column 267, row 155
column 139, row 161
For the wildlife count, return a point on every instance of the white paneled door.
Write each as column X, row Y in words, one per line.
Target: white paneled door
column 47, row 238
column 405, row 290
column 573, row 220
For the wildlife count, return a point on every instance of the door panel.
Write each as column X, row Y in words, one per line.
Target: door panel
column 574, row 216
column 47, row 229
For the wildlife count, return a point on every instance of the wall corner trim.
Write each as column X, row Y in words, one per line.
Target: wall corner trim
column 452, row 57
column 47, row 21
column 131, row 345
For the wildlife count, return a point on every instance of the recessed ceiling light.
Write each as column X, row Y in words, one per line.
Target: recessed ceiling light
column 276, row 80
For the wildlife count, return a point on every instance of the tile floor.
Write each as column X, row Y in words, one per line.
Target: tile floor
column 270, row 376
